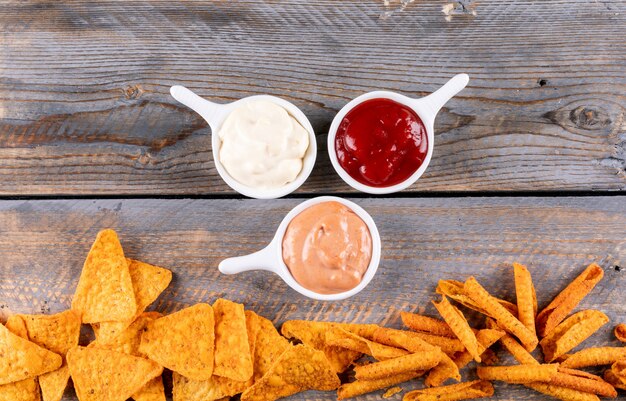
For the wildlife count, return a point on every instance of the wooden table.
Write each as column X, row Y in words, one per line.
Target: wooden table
column 529, row 161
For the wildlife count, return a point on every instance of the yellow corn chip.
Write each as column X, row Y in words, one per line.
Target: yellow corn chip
column 502, row 316
column 518, row 374
column 215, row 388
column 103, row 375
column 25, row 390
column 567, row 299
column 358, row 387
column 526, row 297
column 424, row 360
column 458, row 324
column 562, row 393
column 232, row 349
column 340, row 337
column 571, row 332
column 454, row 392
column 297, row 369
column 268, row 347
column 22, row 359
column 313, row 334
column 128, row 340
column 594, row 357
column 151, row 391
column 183, row 341
column 426, row 324
column 105, row 289
column 53, row 384
column 620, row 332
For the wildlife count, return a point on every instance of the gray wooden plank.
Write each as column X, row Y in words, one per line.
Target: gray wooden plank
column 43, row 245
column 85, row 108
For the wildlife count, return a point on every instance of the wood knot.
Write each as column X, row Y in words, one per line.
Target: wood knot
column 589, row 118
column 132, row 92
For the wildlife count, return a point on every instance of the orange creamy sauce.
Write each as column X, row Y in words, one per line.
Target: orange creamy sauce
column 327, row 248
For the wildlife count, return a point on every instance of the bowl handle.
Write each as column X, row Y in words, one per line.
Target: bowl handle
column 211, row 112
column 435, row 101
column 264, row 259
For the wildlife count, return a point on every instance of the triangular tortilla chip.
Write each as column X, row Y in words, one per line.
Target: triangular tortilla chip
column 152, row 391
column 105, row 289
column 268, row 347
column 313, row 334
column 183, row 341
column 126, row 341
column 103, row 375
column 232, row 350
column 53, row 384
column 297, row 369
column 25, row 390
column 148, row 283
column 215, row 388
column 22, row 359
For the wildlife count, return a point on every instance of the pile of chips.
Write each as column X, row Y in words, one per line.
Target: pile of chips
column 218, row 351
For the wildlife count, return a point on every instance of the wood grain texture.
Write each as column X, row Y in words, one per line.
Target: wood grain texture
column 85, row 108
column 43, row 245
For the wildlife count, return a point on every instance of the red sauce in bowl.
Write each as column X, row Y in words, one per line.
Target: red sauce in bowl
column 381, row 142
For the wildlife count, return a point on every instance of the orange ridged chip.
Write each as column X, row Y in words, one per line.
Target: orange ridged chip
column 458, row 324
column 22, row 359
column 562, row 393
column 151, row 391
column 423, row 360
column 359, row 387
column 568, row 299
column 583, row 381
column 128, row 340
column 500, row 314
column 183, row 341
column 232, row 350
column 299, row 368
column 526, row 297
column 148, row 283
column 105, row 289
column 454, row 392
column 24, row 390
column 595, row 356
column 313, row 334
column 103, row 375
column 268, row 347
column 571, row 332
column 417, row 322
column 454, row 289
column 340, row 337
column 620, row 332
column 518, row 374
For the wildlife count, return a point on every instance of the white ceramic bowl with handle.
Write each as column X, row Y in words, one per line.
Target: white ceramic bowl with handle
column 215, row 114
column 270, row 258
column 426, row 108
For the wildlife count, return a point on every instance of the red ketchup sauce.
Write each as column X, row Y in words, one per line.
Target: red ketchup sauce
column 381, row 143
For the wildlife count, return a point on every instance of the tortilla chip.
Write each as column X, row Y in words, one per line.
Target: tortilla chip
column 448, row 345
column 458, row 324
column 518, row 374
column 22, row 359
column 215, row 388
column 17, row 326
column 340, row 337
column 454, row 392
column 518, row 351
column 297, row 369
column 562, row 393
column 426, row 324
column 500, row 314
column 313, row 334
column 619, row 369
column 611, row 378
column 571, row 332
column 620, row 332
column 526, row 297
column 568, row 299
column 105, row 289
column 128, row 340
column 423, row 360
column 183, row 341
column 103, row 375
column 25, row 390
column 53, row 384
column 583, row 381
column 268, row 347
column 453, row 289
column 232, row 349
column 595, row 356
column 359, row 387
column 151, row 391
